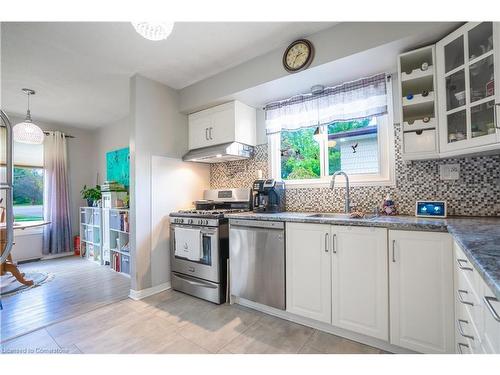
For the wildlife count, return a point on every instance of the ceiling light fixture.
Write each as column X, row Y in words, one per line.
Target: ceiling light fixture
column 154, row 30
column 27, row 131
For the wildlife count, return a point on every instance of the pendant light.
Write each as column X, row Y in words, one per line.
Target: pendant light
column 27, row 131
column 154, row 31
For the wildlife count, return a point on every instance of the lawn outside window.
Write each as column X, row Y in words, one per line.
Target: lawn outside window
column 28, row 181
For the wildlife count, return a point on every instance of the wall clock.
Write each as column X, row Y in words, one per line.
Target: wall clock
column 298, row 56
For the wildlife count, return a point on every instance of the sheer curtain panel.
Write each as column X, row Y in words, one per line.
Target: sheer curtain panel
column 366, row 97
column 57, row 235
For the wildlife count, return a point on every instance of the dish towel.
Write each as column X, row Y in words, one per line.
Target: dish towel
column 188, row 243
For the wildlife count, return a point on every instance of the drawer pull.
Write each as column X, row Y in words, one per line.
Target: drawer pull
column 459, row 347
column 460, row 261
column 326, row 242
column 491, row 308
column 461, row 330
column 459, row 293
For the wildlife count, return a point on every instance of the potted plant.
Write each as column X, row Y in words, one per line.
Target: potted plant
column 92, row 195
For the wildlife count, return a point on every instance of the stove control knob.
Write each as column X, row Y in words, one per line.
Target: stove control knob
column 206, row 222
column 190, row 221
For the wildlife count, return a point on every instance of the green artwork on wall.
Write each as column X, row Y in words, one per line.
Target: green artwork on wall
column 118, row 166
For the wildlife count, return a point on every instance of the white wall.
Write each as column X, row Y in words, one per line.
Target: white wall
column 157, row 129
column 339, row 43
column 175, row 185
column 82, row 162
column 108, row 138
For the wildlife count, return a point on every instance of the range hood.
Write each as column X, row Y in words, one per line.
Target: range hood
column 220, row 153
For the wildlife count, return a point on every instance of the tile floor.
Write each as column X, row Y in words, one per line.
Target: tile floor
column 172, row 322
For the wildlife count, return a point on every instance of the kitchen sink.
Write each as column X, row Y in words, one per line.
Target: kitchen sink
column 340, row 216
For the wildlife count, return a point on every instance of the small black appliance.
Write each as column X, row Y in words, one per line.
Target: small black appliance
column 268, row 196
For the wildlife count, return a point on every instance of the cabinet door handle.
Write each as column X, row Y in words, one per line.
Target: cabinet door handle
column 393, row 251
column 490, row 307
column 459, row 347
column 334, row 244
column 461, row 330
column 326, row 242
column 210, row 133
column 206, row 134
column 460, row 261
column 459, row 293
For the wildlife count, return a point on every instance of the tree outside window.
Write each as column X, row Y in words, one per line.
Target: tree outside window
column 28, row 193
column 351, row 146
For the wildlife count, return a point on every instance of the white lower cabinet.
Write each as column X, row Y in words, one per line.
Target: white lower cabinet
column 477, row 310
column 421, row 291
column 308, row 276
column 341, row 268
column 360, row 300
column 491, row 320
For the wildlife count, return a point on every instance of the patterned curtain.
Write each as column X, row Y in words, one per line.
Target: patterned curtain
column 366, row 97
column 57, row 235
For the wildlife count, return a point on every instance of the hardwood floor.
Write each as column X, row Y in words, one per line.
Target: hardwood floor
column 78, row 286
column 172, row 322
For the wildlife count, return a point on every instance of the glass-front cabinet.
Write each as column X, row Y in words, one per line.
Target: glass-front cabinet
column 467, row 66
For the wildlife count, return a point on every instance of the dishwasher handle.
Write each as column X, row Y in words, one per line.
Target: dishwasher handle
column 279, row 225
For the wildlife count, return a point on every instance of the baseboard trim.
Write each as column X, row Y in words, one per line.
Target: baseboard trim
column 60, row 255
column 143, row 293
column 363, row 339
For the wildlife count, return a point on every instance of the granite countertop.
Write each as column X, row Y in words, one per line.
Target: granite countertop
column 479, row 237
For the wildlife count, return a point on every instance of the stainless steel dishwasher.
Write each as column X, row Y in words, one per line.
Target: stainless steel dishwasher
column 257, row 261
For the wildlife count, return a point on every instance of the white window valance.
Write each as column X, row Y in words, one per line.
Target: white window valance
column 366, row 97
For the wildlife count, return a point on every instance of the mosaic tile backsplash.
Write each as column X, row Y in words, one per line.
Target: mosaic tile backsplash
column 476, row 193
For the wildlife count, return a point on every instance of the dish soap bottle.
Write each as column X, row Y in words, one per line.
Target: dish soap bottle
column 388, row 206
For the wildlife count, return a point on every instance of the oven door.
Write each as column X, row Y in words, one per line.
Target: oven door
column 208, row 266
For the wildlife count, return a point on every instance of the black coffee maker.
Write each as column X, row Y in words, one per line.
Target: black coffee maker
column 268, row 196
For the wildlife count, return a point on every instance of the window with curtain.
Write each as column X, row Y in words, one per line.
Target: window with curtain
column 27, row 181
column 346, row 127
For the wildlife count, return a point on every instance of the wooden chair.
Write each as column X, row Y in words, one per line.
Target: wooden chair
column 9, row 265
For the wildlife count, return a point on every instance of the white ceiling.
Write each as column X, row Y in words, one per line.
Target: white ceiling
column 81, row 70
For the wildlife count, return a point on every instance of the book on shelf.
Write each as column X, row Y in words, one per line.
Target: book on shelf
column 112, row 186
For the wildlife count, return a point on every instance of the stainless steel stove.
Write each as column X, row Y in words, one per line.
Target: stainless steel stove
column 199, row 243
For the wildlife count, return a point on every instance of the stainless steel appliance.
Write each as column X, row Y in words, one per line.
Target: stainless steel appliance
column 220, row 153
column 268, row 196
column 204, row 273
column 257, row 261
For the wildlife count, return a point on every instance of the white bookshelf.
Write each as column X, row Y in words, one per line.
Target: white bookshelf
column 91, row 234
column 117, row 239
column 105, row 236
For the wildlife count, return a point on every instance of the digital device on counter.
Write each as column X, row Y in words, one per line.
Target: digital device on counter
column 430, row 209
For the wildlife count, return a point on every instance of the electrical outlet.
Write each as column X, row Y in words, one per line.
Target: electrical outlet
column 449, row 171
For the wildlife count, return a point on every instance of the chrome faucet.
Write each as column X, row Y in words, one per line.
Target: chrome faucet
column 332, row 185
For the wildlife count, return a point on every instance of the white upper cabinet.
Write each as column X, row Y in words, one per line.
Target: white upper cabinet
column 229, row 122
column 421, row 291
column 469, row 89
column 308, row 276
column 359, row 280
